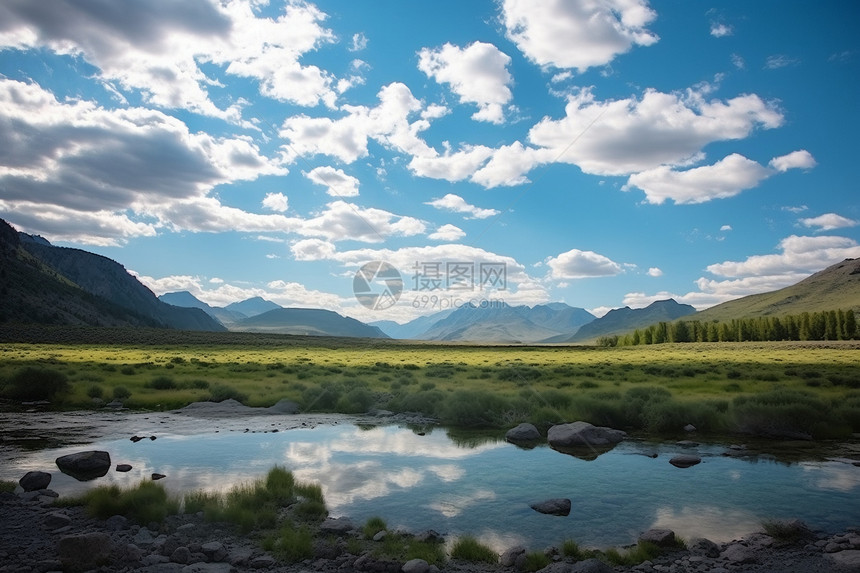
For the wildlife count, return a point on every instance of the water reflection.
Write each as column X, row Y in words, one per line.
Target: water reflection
column 708, row 521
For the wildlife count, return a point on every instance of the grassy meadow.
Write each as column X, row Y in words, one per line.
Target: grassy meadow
column 765, row 388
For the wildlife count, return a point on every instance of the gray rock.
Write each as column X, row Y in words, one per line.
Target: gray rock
column 685, row 460
column 704, row 548
column 557, row 567
column 85, row 551
column 380, row 535
column 689, row 428
column 156, row 476
column 144, row 537
column 737, row 553
column 34, row 481
column 337, row 526
column 591, row 566
column 525, row 432
column 116, row 523
column 263, row 562
column 415, row 566
column 659, row 537
column 56, row 520
column 181, row 555
column 214, row 551
column 582, row 434
column 848, row 560
column 85, row 466
column 509, row 557
column 429, row 536
column 557, row 506
column 207, row 568
column 123, row 468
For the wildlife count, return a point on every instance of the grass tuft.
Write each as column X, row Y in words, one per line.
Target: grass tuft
column 468, row 548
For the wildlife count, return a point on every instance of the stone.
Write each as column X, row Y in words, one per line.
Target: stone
column 116, row 523
column 557, row 506
column 429, row 536
column 591, row 566
column 558, row 567
column 214, row 551
column 509, row 557
column 525, row 432
column 156, row 477
column 85, row 551
column 123, row 468
column 685, row 460
column 57, row 519
column 848, row 560
column 207, row 568
column 659, row 537
column 263, row 562
column 337, row 526
column 689, row 428
column 583, row 434
column 380, row 535
column 704, row 548
column 85, row 466
column 740, row 554
column 34, row 481
column 181, row 555
column 415, row 566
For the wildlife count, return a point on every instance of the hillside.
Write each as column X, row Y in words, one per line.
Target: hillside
column 623, row 320
column 188, row 300
column 44, row 284
column 307, row 322
column 835, row 288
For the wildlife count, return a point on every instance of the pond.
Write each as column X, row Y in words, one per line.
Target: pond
column 429, row 478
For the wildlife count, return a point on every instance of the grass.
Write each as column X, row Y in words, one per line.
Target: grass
column 407, row 547
column 146, row 503
column 786, row 532
column 713, row 386
column 468, row 548
column 373, row 526
column 8, row 486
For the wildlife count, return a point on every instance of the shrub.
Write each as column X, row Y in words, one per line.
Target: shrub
column 144, row 504
column 475, row 409
column 128, row 370
column 535, row 561
column 221, row 392
column 95, row 391
column 293, row 544
column 36, row 384
column 356, row 401
column 425, row 402
column 373, row 526
column 468, row 548
column 321, row 398
column 121, row 393
column 781, row 412
column 162, row 383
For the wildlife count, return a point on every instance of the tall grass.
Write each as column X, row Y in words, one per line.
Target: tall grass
column 468, row 548
column 146, row 503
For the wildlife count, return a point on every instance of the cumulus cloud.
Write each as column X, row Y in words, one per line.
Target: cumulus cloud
column 801, row 159
column 276, row 202
column 157, row 49
column 344, row 221
column 457, row 204
column 448, row 232
column 312, row 249
column 577, row 264
column 478, row 74
column 720, row 30
column 339, row 183
column 726, row 228
column 577, row 35
column 655, row 272
column 828, row 222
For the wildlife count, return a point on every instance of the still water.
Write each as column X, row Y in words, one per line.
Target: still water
column 485, row 487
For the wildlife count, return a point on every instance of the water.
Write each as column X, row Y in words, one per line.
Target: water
column 431, row 481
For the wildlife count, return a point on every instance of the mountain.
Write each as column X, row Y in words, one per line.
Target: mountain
column 624, row 320
column 41, row 283
column 412, row 329
column 252, row 306
column 836, row 287
column 188, row 300
column 509, row 324
column 307, row 321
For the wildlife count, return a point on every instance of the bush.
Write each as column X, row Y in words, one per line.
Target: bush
column 36, row 384
column 95, row 391
column 468, row 548
column 162, row 383
column 144, row 504
column 356, row 401
column 469, row 408
column 221, row 392
column 121, row 393
column 373, row 526
column 321, row 398
column 782, row 413
column 293, row 544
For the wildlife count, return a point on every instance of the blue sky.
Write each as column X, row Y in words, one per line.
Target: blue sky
column 605, row 153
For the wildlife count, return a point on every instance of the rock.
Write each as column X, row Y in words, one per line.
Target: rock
column 558, row 567
column 181, row 555
column 687, row 444
column 380, row 535
column 337, row 526
column 685, row 460
column 591, row 566
column 582, row 434
column 415, row 566
column 116, row 523
column 557, row 506
column 34, row 481
column 284, row 406
column 57, row 519
column 214, row 551
column 85, row 551
column 510, row 556
column 429, row 536
column 848, row 560
column 740, row 554
column 659, row 537
column 704, row 548
column 525, row 432
column 156, row 477
column 123, row 468
column 136, row 439
column 207, row 568
column 85, row 466
column 689, row 428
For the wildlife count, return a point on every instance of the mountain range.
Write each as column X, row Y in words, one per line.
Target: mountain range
column 45, row 284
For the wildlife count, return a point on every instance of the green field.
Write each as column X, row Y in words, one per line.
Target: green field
column 766, row 388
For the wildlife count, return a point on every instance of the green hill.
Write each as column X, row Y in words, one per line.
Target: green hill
column 835, row 288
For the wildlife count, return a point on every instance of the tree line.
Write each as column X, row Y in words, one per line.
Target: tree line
column 824, row 325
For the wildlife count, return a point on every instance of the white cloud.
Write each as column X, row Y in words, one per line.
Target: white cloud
column 799, row 254
column 477, row 74
column 312, row 249
column 726, row 228
column 577, row 264
column 801, row 159
column 457, row 204
column 339, row 183
column 452, row 167
column 359, row 42
column 720, row 30
column 828, row 222
column 276, row 202
column 342, row 221
column 779, row 61
column 577, row 35
column 655, row 272
column 448, row 233
column 629, row 136
column 738, row 61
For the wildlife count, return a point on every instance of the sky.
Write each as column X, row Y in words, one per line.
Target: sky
column 601, row 153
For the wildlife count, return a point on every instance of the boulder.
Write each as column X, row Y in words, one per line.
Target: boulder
column 583, row 434
column 510, row 556
column 56, row 520
column 156, row 476
column 337, row 526
column 122, row 468
column 85, row 551
column 85, row 466
column 525, row 432
column 215, row 551
column 740, row 554
column 685, row 460
column 659, row 537
column 704, row 548
column 415, row 566
column 591, row 566
column 557, row 506
column 848, row 560
column 34, row 481
column 689, row 428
